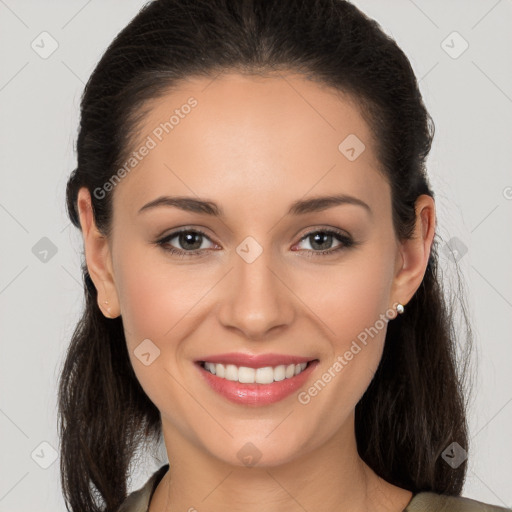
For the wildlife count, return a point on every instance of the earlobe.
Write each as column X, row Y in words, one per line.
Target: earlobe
column 98, row 257
column 414, row 253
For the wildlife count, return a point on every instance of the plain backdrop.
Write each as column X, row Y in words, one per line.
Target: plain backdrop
column 460, row 51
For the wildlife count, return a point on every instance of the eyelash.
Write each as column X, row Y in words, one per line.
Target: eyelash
column 346, row 242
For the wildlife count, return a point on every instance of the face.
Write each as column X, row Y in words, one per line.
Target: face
column 251, row 274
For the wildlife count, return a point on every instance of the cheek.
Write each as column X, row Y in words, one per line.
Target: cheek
column 159, row 301
column 155, row 294
column 351, row 296
column 352, row 304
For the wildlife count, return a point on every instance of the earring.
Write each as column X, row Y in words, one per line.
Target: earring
column 399, row 308
column 106, row 302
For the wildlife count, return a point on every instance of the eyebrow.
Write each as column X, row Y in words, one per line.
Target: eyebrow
column 300, row 207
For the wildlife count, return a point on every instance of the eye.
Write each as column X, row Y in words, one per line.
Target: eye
column 321, row 241
column 190, row 241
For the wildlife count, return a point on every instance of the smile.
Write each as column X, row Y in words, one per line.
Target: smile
column 259, row 386
column 245, row 375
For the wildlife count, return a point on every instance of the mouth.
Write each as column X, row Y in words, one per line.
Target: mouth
column 251, row 383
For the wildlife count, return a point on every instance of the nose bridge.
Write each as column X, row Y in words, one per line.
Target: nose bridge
column 256, row 299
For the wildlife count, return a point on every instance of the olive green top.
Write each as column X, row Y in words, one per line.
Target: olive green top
column 138, row 501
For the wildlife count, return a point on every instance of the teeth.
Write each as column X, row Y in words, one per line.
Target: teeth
column 246, row 375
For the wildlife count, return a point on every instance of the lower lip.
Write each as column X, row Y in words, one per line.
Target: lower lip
column 257, row 394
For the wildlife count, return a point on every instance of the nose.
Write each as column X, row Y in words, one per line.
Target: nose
column 256, row 299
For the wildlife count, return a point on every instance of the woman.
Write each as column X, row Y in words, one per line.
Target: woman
column 260, row 270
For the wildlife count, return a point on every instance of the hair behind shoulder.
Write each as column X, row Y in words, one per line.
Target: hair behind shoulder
column 414, row 407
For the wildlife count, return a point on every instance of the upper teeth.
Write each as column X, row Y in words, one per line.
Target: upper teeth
column 246, row 375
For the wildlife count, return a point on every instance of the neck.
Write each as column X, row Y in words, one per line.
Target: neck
column 331, row 477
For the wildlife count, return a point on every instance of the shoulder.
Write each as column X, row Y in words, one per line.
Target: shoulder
column 433, row 502
column 138, row 501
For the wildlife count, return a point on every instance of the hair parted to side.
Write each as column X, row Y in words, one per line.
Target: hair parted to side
column 414, row 407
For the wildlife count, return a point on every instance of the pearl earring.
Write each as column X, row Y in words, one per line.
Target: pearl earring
column 399, row 308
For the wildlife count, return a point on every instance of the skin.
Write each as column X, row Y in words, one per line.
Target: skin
column 254, row 145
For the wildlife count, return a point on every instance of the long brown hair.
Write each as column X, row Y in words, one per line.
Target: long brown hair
column 414, row 407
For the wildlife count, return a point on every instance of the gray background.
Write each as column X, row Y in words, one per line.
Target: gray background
column 470, row 98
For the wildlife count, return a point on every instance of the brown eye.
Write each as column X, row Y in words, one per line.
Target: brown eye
column 189, row 242
column 321, row 241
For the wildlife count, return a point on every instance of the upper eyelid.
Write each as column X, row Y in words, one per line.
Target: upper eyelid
column 173, row 234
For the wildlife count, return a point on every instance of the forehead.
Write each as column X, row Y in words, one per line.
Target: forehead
column 273, row 136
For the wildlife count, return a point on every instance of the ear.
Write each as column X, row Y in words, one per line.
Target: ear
column 413, row 254
column 97, row 257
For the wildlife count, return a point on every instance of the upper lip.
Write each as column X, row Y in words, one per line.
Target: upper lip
column 255, row 360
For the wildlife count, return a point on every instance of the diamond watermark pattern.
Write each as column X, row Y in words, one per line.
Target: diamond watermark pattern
column 44, row 45
column 454, row 45
column 351, row 147
column 249, row 455
column 44, row 250
column 454, row 455
column 146, row 352
column 44, row 455
column 249, row 249
column 454, row 249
